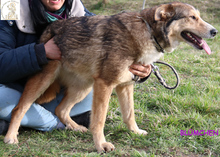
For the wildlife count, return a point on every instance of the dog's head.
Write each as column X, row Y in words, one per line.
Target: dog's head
column 178, row 22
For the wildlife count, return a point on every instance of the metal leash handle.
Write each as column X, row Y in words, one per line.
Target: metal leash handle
column 143, row 4
column 155, row 70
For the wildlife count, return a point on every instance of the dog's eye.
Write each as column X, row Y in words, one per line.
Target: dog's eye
column 193, row 17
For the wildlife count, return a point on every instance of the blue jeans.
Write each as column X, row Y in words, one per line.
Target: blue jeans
column 38, row 117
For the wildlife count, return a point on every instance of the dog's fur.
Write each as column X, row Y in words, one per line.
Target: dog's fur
column 96, row 53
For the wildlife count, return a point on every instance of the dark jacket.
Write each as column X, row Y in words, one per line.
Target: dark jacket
column 17, row 53
column 20, row 56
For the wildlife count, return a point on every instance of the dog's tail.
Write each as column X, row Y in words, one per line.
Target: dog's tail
column 51, row 31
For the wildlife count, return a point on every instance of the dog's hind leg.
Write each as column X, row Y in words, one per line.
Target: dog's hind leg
column 34, row 87
column 101, row 96
column 71, row 97
column 126, row 100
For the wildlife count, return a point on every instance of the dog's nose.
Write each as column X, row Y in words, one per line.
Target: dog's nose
column 214, row 32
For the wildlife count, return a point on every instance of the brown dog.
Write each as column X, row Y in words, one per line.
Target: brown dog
column 97, row 52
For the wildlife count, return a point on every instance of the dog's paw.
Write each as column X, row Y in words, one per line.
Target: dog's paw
column 141, row 132
column 105, row 147
column 11, row 139
column 79, row 128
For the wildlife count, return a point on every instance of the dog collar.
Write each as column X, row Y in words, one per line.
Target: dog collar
column 156, row 43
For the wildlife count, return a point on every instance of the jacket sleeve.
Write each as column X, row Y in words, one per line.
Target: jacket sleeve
column 87, row 13
column 15, row 62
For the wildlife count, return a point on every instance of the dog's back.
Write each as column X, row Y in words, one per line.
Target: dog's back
column 89, row 45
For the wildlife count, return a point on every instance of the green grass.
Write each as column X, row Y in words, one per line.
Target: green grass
column 195, row 104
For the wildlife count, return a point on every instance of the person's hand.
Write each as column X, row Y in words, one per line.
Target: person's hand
column 140, row 70
column 52, row 50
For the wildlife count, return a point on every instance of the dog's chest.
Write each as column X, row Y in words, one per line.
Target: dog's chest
column 149, row 56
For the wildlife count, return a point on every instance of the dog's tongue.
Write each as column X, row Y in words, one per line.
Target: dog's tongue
column 203, row 44
column 206, row 47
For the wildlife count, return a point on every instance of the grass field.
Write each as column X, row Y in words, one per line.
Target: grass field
column 195, row 104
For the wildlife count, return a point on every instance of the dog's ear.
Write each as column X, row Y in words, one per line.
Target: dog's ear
column 164, row 12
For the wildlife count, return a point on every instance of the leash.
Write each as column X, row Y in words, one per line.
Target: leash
column 156, row 72
column 143, row 4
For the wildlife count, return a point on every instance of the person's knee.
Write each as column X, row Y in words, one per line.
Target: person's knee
column 8, row 100
column 8, row 95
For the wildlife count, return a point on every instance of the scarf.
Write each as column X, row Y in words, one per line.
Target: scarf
column 57, row 15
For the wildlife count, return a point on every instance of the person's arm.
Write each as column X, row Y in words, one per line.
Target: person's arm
column 15, row 63
column 19, row 62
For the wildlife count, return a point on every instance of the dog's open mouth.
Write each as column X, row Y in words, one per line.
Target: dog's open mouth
column 196, row 41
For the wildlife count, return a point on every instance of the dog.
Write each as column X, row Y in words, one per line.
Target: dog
column 97, row 52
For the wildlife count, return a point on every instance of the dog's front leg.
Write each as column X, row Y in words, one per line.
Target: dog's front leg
column 126, row 100
column 101, row 97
